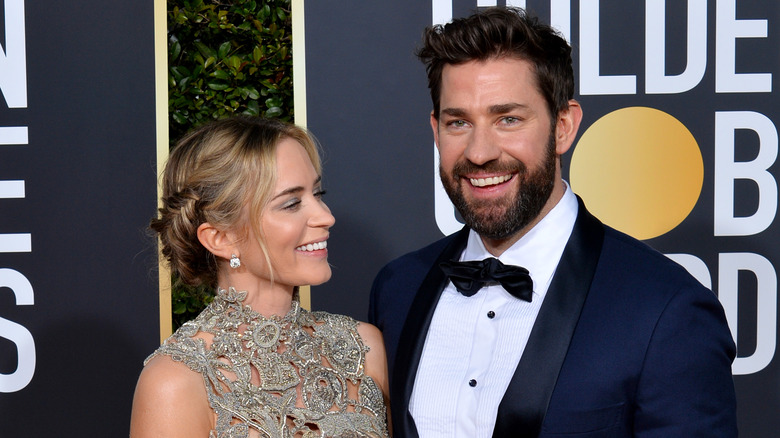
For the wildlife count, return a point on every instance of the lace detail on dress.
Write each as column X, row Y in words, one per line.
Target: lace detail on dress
column 255, row 368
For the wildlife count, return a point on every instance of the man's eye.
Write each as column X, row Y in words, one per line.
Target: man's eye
column 458, row 123
column 509, row 120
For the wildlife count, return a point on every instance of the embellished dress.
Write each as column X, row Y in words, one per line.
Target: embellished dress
column 297, row 376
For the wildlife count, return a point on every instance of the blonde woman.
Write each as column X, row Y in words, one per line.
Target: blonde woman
column 243, row 213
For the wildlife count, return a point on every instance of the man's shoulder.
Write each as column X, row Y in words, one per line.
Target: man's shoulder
column 639, row 261
column 395, row 287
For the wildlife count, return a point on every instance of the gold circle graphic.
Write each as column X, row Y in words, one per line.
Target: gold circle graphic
column 639, row 170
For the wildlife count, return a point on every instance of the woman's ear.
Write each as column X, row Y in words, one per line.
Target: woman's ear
column 218, row 242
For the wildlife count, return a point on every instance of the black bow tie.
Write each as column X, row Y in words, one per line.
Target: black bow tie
column 470, row 277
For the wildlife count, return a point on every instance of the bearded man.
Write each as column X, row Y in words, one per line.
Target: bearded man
column 536, row 320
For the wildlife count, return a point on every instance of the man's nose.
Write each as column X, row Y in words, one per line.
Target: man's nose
column 482, row 146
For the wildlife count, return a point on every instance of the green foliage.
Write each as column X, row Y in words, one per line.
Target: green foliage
column 225, row 57
column 187, row 302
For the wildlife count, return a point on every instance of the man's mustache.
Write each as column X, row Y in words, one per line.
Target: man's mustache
column 465, row 167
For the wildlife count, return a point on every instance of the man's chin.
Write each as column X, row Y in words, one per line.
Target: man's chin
column 489, row 223
column 484, row 212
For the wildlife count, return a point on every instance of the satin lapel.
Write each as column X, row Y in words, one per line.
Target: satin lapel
column 525, row 402
column 413, row 334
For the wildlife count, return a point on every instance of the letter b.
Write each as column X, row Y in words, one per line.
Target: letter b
column 727, row 170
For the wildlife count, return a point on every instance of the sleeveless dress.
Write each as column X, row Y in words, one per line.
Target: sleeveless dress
column 297, row 376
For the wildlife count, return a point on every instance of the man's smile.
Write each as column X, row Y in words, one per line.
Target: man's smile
column 491, row 181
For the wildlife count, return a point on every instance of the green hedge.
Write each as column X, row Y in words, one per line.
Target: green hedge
column 225, row 57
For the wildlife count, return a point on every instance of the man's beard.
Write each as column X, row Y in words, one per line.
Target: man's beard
column 502, row 218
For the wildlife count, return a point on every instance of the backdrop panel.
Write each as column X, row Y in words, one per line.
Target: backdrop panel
column 688, row 86
column 78, row 285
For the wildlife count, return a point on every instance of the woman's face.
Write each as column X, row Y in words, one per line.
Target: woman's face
column 295, row 224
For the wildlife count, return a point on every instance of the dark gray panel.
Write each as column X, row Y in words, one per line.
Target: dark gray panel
column 90, row 177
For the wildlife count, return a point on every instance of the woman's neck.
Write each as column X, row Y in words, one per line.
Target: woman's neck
column 262, row 296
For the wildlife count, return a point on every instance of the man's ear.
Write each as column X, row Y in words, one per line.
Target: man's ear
column 566, row 127
column 218, row 242
column 435, row 128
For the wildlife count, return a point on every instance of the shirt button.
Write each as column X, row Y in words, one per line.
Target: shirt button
column 491, row 314
column 472, row 383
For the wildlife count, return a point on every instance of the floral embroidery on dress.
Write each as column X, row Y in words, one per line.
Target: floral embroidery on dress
column 255, row 367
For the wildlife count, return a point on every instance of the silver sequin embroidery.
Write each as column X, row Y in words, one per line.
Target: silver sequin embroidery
column 255, row 366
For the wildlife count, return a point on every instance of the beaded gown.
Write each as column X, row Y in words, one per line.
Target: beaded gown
column 301, row 375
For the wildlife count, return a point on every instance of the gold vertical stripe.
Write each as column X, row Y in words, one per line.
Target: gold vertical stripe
column 304, row 293
column 299, row 94
column 299, row 63
column 161, row 110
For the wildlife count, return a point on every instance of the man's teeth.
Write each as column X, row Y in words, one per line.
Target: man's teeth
column 313, row 246
column 482, row 182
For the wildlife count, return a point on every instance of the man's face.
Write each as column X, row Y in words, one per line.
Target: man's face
column 499, row 154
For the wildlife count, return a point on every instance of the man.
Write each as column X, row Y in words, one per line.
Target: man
column 608, row 338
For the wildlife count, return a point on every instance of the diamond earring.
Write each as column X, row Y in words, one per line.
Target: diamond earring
column 235, row 262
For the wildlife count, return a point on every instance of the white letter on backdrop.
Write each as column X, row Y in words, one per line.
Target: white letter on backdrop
column 25, row 345
column 591, row 81
column 655, row 48
column 13, row 58
column 729, row 265
column 727, row 171
column 727, row 30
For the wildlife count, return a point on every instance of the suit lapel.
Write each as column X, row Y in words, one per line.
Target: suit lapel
column 525, row 402
column 413, row 335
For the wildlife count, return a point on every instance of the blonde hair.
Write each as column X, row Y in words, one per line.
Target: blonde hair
column 211, row 175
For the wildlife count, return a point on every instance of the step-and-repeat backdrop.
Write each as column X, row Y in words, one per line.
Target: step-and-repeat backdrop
column 681, row 114
column 78, row 281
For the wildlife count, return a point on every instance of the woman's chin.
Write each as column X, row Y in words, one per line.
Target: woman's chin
column 318, row 279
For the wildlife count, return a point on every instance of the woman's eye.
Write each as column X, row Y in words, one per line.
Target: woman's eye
column 292, row 204
column 320, row 193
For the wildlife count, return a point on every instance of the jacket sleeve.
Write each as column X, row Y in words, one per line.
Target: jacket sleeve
column 686, row 388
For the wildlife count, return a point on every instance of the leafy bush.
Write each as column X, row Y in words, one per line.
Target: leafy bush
column 225, row 57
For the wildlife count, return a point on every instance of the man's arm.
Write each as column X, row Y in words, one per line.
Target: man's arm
column 686, row 387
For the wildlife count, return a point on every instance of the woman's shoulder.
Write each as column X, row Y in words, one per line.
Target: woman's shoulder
column 170, row 376
column 189, row 343
column 368, row 333
column 169, row 394
column 371, row 335
column 321, row 317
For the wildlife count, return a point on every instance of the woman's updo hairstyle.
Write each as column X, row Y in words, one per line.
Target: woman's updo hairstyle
column 211, row 175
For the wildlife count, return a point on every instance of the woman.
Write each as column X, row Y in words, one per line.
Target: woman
column 242, row 212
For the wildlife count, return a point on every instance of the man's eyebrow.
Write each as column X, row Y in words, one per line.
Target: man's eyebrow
column 296, row 189
column 502, row 108
column 505, row 108
column 453, row 112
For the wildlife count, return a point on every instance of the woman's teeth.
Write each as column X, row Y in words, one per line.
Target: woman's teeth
column 313, row 246
column 482, row 182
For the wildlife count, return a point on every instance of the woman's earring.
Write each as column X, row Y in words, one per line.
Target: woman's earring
column 234, row 261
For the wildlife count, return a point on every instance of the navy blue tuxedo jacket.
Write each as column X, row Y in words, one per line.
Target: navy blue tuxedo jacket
column 626, row 344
